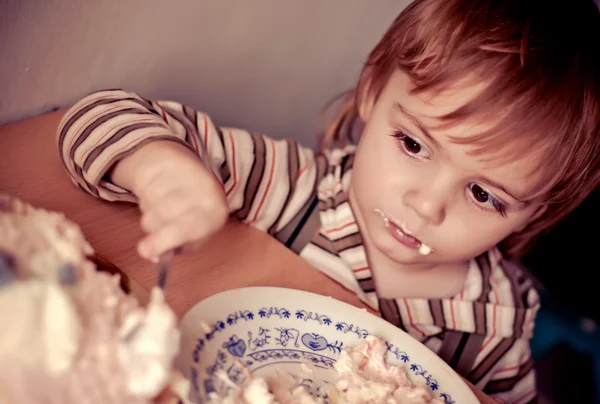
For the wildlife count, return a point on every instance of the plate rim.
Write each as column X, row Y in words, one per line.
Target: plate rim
column 440, row 363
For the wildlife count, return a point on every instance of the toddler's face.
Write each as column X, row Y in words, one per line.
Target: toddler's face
column 412, row 185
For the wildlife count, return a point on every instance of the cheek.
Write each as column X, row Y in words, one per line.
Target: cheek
column 380, row 149
column 377, row 162
column 381, row 170
column 464, row 241
column 470, row 232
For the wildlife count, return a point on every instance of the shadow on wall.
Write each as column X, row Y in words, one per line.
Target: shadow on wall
column 265, row 65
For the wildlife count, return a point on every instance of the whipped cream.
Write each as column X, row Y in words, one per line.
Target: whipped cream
column 424, row 249
column 45, row 328
column 364, row 377
column 44, row 242
column 72, row 334
column 150, row 343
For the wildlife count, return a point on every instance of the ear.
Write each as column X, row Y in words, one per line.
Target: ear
column 535, row 216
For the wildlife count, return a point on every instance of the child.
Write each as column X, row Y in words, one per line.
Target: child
column 478, row 125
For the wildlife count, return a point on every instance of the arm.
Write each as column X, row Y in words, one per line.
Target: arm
column 266, row 182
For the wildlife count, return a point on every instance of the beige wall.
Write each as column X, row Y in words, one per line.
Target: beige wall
column 266, row 65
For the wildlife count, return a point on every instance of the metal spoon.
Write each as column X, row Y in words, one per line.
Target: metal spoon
column 164, row 263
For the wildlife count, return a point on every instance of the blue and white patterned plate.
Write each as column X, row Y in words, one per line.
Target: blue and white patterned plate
column 267, row 328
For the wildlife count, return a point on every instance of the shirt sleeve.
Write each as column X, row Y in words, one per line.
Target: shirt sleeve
column 266, row 181
column 512, row 379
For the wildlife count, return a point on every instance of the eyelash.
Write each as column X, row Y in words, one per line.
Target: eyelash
column 400, row 137
column 500, row 207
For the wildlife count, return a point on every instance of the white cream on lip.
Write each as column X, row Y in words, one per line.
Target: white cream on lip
column 424, row 249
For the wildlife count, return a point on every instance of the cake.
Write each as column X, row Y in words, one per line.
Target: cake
column 70, row 333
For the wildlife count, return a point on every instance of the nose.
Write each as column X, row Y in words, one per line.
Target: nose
column 428, row 202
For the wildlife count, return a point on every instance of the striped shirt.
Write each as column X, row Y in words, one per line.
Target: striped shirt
column 301, row 198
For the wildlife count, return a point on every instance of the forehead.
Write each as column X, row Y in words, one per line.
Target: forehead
column 455, row 137
column 429, row 106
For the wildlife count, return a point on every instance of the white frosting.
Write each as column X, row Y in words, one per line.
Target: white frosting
column 181, row 387
column 149, row 346
column 424, row 249
column 70, row 334
column 45, row 328
column 45, row 240
column 364, row 377
column 257, row 392
column 59, row 250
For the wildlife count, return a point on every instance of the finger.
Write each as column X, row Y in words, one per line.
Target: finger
column 190, row 247
column 150, row 222
column 175, row 234
column 163, row 210
column 145, row 204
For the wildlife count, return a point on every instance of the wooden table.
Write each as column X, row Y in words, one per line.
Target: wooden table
column 238, row 256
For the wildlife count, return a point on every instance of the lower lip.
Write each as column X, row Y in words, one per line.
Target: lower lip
column 403, row 238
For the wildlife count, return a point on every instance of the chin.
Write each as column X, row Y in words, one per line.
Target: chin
column 383, row 242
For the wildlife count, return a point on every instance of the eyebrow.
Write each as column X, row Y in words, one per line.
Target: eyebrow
column 417, row 123
column 426, row 133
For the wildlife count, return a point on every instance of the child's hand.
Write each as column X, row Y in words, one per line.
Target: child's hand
column 182, row 203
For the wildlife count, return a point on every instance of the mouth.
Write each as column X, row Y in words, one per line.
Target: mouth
column 404, row 236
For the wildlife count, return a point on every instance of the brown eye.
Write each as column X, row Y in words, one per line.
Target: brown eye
column 483, row 197
column 480, row 194
column 411, row 145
